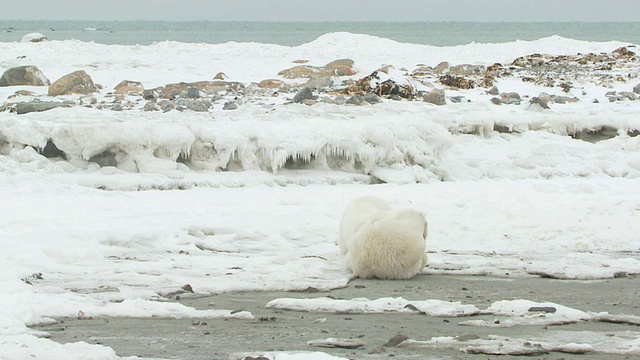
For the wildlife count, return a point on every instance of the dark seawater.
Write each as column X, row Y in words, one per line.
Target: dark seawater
column 296, row 33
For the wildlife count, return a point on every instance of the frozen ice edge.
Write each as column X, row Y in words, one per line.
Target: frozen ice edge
column 394, row 143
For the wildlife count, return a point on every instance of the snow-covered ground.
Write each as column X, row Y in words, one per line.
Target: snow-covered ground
column 258, row 204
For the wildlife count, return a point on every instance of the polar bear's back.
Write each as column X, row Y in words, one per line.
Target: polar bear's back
column 391, row 244
column 355, row 214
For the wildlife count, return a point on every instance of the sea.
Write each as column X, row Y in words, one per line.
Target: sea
column 297, row 33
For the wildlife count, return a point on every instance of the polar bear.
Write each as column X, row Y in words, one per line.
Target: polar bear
column 380, row 242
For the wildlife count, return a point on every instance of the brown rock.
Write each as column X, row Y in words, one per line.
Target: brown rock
column 129, row 83
column 622, row 52
column 456, row 82
column 127, row 87
column 441, row 68
column 299, row 71
column 24, row 75
column 271, row 84
column 435, row 97
column 339, row 63
column 220, row 76
column 130, row 90
column 341, row 67
column 78, row 82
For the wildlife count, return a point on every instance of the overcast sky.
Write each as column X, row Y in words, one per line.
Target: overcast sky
column 324, row 10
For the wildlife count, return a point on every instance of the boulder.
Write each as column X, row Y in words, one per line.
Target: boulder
column 271, row 84
column 34, row 37
column 302, row 95
column 510, row 98
column 220, row 76
column 128, row 87
column 78, row 82
column 356, row 100
column 192, row 93
column 199, row 105
column 322, row 82
column 372, row 98
column 493, row 91
column 166, row 105
column 622, row 53
column 150, row 106
column 435, row 97
column 422, row 71
column 441, row 68
column 230, row 105
column 341, row 67
column 538, row 103
column 636, row 89
column 28, row 75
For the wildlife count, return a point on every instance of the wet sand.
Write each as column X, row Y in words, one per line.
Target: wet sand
column 274, row 330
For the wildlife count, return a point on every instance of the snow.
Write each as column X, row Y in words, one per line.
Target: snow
column 251, row 199
column 572, row 342
column 382, row 305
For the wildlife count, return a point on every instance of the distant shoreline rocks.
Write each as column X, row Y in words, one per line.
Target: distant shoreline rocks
column 337, row 82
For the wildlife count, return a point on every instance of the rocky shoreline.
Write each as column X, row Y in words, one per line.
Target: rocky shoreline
column 339, row 83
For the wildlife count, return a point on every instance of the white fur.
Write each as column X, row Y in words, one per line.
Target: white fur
column 381, row 242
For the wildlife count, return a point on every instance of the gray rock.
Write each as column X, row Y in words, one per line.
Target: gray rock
column 303, row 94
column 636, row 89
column 24, row 75
column 193, row 93
column 150, row 106
column 166, row 105
column 496, row 101
column 441, row 68
column 628, row 95
column 230, row 105
column 538, row 103
column 198, row 105
column 38, row 106
column 458, row 99
column 117, row 107
column 340, row 100
column 321, row 82
column 356, row 100
column 510, row 98
column 493, row 91
column 372, row 98
column 435, row 97
column 150, row 94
